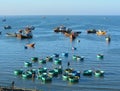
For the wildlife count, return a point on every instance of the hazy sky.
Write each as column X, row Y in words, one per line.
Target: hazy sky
column 59, row 7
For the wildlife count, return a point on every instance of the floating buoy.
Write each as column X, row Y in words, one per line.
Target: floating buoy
column 25, row 47
column 74, row 48
column 78, row 41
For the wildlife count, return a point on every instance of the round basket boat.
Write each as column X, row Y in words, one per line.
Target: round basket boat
column 79, row 58
column 68, row 70
column 49, row 58
column 52, row 73
column 42, row 61
column 73, row 79
column 46, row 78
column 26, row 75
column 99, row 73
column 42, row 70
column 34, row 59
column 74, row 57
column 58, row 70
column 100, row 56
column 27, row 64
column 58, row 61
column 65, row 77
column 87, row 72
column 18, row 72
column 55, row 55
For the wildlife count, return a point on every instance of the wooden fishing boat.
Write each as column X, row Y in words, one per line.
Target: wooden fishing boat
column 11, row 34
column 91, row 31
column 7, row 27
column 21, row 36
column 31, row 46
column 100, row 32
column 62, row 29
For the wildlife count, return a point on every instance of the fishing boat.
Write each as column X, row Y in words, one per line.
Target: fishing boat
column 65, row 77
column 42, row 61
column 101, row 32
column 34, row 59
column 91, row 31
column 49, row 58
column 46, row 78
column 11, row 34
column 87, row 72
column 27, row 64
column 58, row 70
column 7, row 27
column 73, row 79
column 108, row 38
column 100, row 56
column 58, row 61
column 26, row 75
column 52, row 73
column 62, row 29
column 42, row 70
column 21, row 36
column 99, row 73
column 18, row 72
column 29, row 28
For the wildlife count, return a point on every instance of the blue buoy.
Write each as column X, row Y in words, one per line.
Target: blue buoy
column 25, row 47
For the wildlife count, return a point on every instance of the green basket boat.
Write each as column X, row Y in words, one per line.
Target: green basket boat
column 27, row 64
column 99, row 73
column 18, row 72
column 87, row 72
column 34, row 59
column 73, row 79
column 42, row 61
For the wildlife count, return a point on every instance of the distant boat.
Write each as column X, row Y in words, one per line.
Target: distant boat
column 30, row 45
column 11, row 34
column 93, row 31
column 29, row 28
column 7, row 27
column 101, row 32
column 108, row 38
column 4, row 20
column 62, row 29
column 21, row 36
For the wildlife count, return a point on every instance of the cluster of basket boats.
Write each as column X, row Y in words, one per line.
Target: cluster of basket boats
column 46, row 75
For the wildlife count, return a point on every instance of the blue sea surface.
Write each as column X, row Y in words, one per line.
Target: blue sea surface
column 47, row 42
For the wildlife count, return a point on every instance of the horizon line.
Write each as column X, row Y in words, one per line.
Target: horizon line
column 59, row 15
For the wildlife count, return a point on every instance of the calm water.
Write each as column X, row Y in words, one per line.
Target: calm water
column 13, row 55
